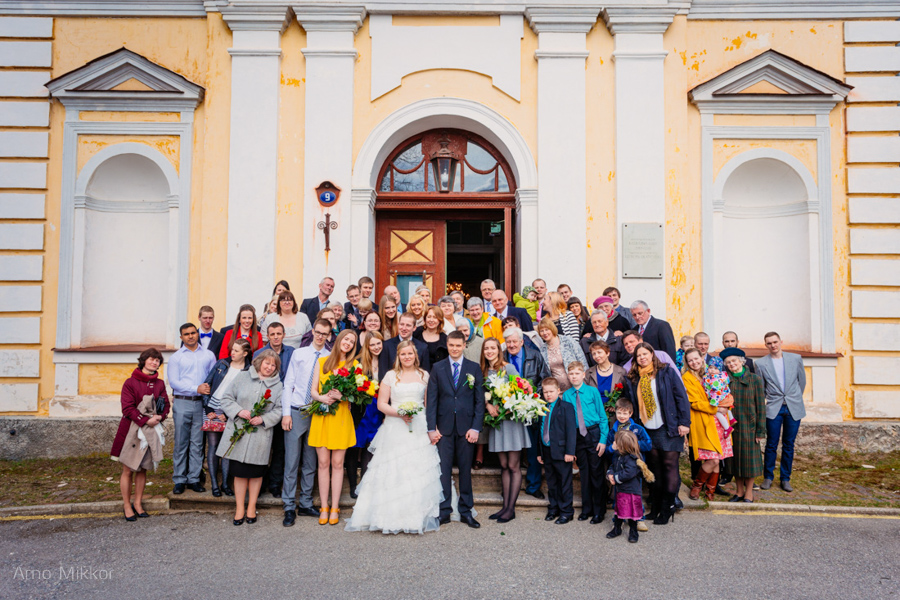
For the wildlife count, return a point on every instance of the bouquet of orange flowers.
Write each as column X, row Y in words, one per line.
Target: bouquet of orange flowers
column 353, row 385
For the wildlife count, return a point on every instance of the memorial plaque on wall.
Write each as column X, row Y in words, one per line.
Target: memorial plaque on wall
column 643, row 250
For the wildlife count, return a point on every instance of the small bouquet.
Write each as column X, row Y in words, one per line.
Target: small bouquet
column 409, row 409
column 515, row 398
column 258, row 409
column 353, row 385
column 612, row 396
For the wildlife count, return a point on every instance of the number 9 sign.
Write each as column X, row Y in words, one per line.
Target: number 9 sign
column 328, row 194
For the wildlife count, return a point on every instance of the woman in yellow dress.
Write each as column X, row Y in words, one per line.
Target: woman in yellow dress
column 331, row 435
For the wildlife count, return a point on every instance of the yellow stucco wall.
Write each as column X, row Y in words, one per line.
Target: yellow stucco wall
column 197, row 49
column 89, row 145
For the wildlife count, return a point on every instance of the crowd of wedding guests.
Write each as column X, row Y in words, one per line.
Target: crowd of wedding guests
column 623, row 400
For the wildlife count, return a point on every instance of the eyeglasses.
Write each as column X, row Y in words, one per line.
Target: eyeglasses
column 320, row 333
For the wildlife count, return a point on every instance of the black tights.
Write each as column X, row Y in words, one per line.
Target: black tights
column 511, row 478
column 664, row 466
column 213, row 462
column 356, row 458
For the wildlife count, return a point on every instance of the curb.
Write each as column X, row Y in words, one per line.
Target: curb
column 810, row 508
column 80, row 508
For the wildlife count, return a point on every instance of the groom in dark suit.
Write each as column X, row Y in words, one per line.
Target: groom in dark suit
column 404, row 332
column 454, row 414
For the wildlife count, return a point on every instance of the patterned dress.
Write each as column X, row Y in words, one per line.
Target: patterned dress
column 750, row 411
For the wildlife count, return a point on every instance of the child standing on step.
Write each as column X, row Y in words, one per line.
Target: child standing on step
column 625, row 477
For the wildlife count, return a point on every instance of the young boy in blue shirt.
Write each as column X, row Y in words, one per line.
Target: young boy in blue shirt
column 624, row 410
column 593, row 429
column 558, row 432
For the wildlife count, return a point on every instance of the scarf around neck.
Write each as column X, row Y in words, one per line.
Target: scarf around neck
column 646, row 401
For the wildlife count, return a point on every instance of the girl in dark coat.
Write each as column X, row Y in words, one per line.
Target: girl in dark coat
column 624, row 476
column 144, row 381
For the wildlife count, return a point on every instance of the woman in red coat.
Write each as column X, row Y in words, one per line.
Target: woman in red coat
column 246, row 327
column 144, row 381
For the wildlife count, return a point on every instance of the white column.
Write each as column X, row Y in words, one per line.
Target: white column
column 640, row 133
column 253, row 151
column 362, row 244
column 562, row 143
column 527, row 234
column 328, row 156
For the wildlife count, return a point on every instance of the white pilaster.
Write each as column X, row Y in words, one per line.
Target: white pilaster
column 562, row 144
column 253, row 152
column 640, row 133
column 362, row 244
column 527, row 231
column 330, row 60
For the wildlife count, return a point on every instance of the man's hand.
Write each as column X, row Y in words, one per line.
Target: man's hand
column 569, row 458
column 203, row 389
column 471, row 436
column 434, row 436
column 287, row 423
column 540, row 460
column 617, row 333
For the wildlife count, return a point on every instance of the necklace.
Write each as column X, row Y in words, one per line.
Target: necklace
column 605, row 371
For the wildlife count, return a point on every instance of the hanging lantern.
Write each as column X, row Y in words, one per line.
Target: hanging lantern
column 444, row 163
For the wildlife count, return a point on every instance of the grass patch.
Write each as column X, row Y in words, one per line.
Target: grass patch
column 837, row 478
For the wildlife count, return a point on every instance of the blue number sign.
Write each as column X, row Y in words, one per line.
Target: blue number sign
column 327, row 198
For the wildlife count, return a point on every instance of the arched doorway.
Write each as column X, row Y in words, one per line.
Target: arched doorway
column 445, row 210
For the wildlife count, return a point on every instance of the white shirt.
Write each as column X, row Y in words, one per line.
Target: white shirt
column 300, row 371
column 224, row 385
column 778, row 365
column 656, row 421
column 204, row 341
column 188, row 369
column 641, row 328
column 488, row 307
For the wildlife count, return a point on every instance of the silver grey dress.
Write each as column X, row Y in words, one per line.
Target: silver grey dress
column 510, row 436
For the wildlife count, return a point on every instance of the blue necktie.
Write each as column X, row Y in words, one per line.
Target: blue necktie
column 309, row 385
column 515, row 361
column 206, row 335
column 455, row 374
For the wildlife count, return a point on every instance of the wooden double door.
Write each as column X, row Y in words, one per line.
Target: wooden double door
column 412, row 250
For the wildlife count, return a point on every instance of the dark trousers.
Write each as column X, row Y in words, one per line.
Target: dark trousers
column 559, row 485
column 275, row 473
column 590, row 469
column 783, row 426
column 452, row 447
column 533, row 475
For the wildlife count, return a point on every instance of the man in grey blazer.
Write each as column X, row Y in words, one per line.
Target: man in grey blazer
column 784, row 381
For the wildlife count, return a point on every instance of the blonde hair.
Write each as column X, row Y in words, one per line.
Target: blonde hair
column 399, row 367
column 627, row 443
column 546, row 323
column 417, row 298
column 558, row 306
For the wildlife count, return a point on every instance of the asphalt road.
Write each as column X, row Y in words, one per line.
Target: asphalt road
column 702, row 555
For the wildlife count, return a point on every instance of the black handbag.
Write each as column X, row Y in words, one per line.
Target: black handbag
column 160, row 405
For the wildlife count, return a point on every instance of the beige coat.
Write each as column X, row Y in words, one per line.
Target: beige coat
column 245, row 391
column 132, row 455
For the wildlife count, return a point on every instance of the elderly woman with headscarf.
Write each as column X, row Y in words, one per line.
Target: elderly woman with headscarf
column 473, row 342
column 484, row 325
column 750, row 412
column 617, row 323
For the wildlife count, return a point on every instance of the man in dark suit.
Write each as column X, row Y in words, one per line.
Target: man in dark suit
column 503, row 309
column 405, row 329
column 656, row 332
column 530, row 364
column 600, row 333
column 311, row 306
column 454, row 414
column 209, row 337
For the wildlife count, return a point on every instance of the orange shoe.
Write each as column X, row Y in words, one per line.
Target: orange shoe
column 323, row 515
column 335, row 517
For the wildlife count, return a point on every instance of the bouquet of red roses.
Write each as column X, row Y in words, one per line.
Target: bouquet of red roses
column 258, row 409
column 612, row 396
column 353, row 385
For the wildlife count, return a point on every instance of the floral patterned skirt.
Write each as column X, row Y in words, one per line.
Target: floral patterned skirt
column 724, row 440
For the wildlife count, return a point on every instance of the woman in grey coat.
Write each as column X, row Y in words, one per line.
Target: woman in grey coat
column 559, row 351
column 249, row 455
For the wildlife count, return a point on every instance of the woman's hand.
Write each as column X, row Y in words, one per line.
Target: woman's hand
column 223, row 417
column 210, row 415
column 493, row 410
column 682, row 430
column 407, row 419
column 256, row 421
column 334, row 395
column 244, row 414
column 154, row 420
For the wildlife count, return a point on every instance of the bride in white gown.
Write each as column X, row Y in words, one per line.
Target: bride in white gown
column 401, row 490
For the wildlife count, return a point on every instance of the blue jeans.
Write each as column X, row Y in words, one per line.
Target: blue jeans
column 533, row 475
column 789, row 426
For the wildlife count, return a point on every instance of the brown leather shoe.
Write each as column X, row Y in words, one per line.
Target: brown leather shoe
column 711, row 486
column 702, row 477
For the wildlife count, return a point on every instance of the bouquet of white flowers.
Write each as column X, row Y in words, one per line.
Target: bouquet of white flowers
column 515, row 398
column 409, row 409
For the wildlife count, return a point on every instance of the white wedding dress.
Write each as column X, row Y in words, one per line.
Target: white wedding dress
column 401, row 490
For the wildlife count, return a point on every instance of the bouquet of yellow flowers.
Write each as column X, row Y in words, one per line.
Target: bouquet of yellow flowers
column 409, row 409
column 353, row 385
column 515, row 398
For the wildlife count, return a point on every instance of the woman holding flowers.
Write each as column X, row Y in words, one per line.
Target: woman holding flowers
column 401, row 490
column 331, row 434
column 253, row 406
column 508, row 437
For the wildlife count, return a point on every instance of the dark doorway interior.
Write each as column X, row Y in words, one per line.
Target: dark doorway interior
column 474, row 253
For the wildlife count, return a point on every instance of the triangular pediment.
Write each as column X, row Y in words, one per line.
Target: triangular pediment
column 122, row 76
column 770, row 74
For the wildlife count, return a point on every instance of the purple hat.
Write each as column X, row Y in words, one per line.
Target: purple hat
column 601, row 300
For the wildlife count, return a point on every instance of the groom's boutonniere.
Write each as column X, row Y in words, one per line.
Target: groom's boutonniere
column 470, row 381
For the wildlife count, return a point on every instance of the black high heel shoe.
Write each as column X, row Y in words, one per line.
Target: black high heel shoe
column 130, row 519
column 237, row 522
column 142, row 515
